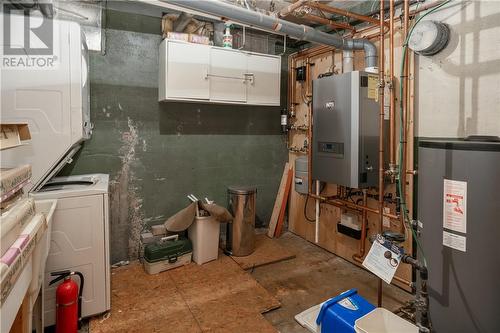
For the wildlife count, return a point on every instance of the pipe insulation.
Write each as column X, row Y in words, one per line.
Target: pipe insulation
column 266, row 22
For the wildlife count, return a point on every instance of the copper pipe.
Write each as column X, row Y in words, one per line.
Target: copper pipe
column 291, row 82
column 328, row 22
column 349, row 205
column 381, row 137
column 425, row 7
column 309, row 121
column 289, row 91
column 405, row 78
column 403, row 281
column 343, row 12
column 311, row 51
column 364, row 222
column 392, row 110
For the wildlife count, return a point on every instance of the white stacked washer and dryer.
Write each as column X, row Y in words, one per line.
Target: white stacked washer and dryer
column 55, row 103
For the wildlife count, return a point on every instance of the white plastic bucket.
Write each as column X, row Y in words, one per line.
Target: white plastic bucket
column 204, row 235
column 382, row 320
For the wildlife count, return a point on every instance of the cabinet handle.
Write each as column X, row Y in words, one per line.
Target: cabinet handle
column 246, row 77
column 249, row 77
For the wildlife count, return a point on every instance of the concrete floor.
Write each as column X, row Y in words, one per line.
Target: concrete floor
column 312, row 277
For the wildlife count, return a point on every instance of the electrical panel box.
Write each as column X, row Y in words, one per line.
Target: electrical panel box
column 346, row 129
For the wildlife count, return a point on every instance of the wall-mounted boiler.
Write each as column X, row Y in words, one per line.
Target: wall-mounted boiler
column 345, row 129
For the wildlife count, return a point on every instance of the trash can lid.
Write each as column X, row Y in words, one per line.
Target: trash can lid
column 242, row 189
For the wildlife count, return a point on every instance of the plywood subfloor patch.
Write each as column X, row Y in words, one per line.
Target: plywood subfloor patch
column 267, row 251
column 216, row 297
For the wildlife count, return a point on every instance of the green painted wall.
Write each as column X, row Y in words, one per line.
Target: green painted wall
column 157, row 153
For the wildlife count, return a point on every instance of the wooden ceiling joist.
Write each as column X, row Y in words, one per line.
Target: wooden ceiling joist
column 325, row 21
column 343, row 12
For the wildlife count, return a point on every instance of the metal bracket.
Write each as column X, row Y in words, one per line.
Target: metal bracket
column 284, row 46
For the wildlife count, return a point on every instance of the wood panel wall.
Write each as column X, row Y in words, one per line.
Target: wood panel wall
column 329, row 238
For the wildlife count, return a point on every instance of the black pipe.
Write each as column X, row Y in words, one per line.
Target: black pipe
column 422, row 304
column 80, row 296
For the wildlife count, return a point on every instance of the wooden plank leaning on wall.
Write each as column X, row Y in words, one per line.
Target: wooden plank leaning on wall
column 324, row 59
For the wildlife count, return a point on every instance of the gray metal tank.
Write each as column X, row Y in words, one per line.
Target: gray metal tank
column 301, row 175
column 464, row 288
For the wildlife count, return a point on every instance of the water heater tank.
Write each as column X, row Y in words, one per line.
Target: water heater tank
column 459, row 208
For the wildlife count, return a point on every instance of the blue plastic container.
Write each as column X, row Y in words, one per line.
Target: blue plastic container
column 337, row 315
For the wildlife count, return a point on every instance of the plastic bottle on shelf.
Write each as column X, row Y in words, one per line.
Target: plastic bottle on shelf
column 227, row 40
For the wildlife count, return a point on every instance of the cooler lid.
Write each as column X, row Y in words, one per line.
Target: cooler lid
column 67, row 159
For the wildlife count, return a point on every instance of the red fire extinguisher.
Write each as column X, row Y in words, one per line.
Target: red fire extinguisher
column 68, row 302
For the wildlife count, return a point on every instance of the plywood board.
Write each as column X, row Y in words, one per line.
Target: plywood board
column 192, row 298
column 267, row 251
column 284, row 201
column 329, row 238
column 279, row 199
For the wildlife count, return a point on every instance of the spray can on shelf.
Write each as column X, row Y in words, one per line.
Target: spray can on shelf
column 227, row 40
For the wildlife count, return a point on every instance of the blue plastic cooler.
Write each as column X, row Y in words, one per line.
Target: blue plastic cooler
column 337, row 315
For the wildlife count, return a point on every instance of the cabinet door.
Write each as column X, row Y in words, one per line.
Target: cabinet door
column 227, row 75
column 187, row 68
column 265, row 86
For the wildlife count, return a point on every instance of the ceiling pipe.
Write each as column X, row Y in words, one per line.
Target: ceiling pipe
column 302, row 32
column 343, row 12
column 325, row 21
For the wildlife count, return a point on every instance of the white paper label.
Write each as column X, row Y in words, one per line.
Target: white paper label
column 456, row 242
column 455, row 205
column 383, row 259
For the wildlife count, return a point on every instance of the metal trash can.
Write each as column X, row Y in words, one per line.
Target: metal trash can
column 240, row 236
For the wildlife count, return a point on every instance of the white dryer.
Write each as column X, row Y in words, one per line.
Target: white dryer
column 80, row 239
column 55, row 103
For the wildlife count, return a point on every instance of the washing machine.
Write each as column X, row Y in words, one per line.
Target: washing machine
column 80, row 239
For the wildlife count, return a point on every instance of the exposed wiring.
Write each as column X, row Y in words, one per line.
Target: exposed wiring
column 323, row 185
column 305, row 210
column 401, row 139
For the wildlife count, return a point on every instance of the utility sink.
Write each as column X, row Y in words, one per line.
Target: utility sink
column 41, row 251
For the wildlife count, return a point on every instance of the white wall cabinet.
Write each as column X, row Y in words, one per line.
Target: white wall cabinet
column 227, row 75
column 185, row 68
column 264, row 88
column 202, row 73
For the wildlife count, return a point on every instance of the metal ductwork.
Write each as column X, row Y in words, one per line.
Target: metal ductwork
column 302, row 32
